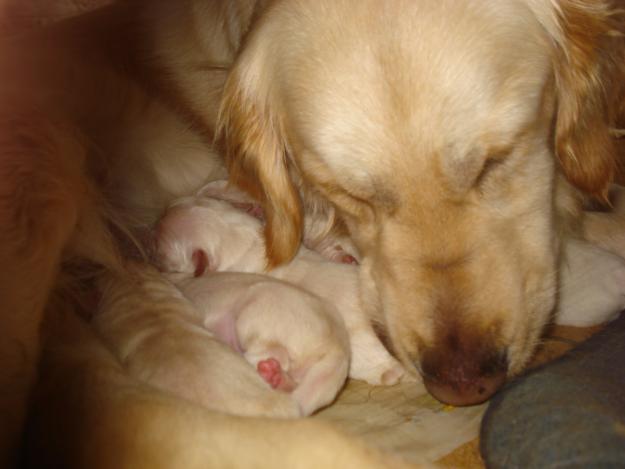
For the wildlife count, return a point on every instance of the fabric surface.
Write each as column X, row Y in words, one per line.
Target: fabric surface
column 404, row 420
column 567, row 414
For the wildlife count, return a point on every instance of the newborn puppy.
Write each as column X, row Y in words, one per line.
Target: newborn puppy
column 202, row 234
column 159, row 337
column 294, row 339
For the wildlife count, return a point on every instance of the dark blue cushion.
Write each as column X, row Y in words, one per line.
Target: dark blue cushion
column 569, row 413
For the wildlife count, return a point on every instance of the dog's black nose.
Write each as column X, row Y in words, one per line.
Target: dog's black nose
column 463, row 377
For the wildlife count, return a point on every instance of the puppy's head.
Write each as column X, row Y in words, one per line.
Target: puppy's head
column 437, row 130
column 202, row 234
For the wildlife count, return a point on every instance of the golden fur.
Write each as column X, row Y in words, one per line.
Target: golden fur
column 440, row 133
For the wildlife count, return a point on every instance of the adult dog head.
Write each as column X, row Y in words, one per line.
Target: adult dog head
column 437, row 129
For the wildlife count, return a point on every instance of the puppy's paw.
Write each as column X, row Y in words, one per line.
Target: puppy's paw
column 393, row 375
column 385, row 375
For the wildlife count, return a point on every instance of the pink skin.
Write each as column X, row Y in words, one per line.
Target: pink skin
column 271, row 371
column 200, row 260
column 340, row 256
column 345, row 258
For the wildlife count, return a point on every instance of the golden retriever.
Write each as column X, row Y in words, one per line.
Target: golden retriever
column 450, row 138
column 442, row 136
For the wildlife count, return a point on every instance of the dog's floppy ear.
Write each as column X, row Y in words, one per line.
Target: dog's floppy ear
column 589, row 72
column 251, row 133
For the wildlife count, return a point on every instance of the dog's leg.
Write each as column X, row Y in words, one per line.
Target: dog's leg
column 40, row 189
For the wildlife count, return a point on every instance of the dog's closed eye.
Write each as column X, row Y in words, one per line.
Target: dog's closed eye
column 470, row 170
column 490, row 165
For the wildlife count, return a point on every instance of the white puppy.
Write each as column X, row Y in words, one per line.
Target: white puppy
column 295, row 340
column 201, row 233
column 592, row 285
column 286, row 333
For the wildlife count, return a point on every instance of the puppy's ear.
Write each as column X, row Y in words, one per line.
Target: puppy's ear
column 589, row 71
column 251, row 134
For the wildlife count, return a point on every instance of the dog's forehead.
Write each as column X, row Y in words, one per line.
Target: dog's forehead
column 436, row 76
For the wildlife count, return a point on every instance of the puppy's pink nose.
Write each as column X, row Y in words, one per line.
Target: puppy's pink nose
column 462, row 379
